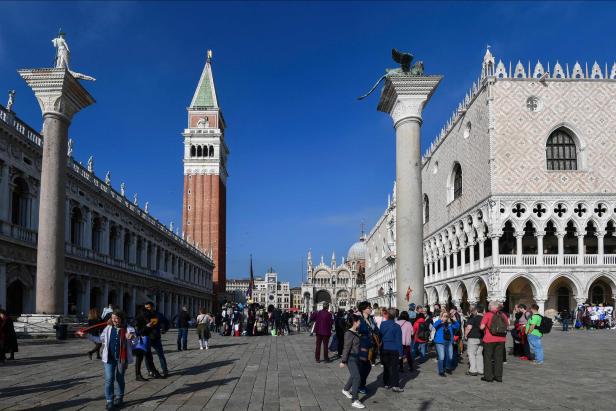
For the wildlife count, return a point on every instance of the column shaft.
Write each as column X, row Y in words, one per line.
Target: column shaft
column 51, row 235
column 409, row 227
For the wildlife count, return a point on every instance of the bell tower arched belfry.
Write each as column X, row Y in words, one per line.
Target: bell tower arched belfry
column 204, row 215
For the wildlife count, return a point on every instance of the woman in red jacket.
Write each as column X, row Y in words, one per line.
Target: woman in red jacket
column 421, row 332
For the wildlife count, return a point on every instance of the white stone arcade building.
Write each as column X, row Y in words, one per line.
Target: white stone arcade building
column 115, row 251
column 520, row 190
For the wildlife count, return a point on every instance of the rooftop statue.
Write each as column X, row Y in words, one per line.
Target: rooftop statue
column 9, row 104
column 405, row 60
column 63, row 56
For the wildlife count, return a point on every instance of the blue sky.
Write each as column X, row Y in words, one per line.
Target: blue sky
column 308, row 162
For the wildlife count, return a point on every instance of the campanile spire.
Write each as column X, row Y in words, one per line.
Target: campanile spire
column 205, row 174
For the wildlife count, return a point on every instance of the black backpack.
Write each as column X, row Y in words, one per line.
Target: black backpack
column 545, row 326
column 498, row 325
column 423, row 331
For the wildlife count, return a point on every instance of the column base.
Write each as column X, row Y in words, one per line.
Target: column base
column 44, row 325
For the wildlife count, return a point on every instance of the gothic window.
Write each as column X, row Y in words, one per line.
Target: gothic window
column 199, row 151
column 426, row 208
column 20, row 203
column 561, row 151
column 211, row 151
column 456, row 182
column 193, row 151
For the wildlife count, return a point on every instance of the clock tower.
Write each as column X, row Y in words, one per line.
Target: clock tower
column 204, row 214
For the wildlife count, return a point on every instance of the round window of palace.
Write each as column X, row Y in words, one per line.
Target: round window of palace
column 534, row 104
column 467, row 130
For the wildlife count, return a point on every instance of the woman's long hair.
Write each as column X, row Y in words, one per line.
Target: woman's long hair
column 121, row 316
column 93, row 314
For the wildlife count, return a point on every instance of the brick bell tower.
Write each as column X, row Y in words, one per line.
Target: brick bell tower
column 204, row 216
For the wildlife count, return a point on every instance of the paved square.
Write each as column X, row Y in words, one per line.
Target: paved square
column 279, row 373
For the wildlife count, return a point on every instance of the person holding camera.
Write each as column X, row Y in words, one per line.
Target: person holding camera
column 445, row 328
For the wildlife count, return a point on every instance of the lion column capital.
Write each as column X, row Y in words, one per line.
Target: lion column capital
column 405, row 96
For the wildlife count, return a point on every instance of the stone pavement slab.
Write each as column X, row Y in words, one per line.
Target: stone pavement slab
column 279, row 373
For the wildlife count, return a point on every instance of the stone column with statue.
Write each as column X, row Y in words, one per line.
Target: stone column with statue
column 60, row 96
column 405, row 93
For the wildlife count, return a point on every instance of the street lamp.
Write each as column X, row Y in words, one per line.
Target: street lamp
column 390, row 292
column 335, row 306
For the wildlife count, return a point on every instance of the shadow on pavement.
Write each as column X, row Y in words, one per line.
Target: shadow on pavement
column 48, row 386
column 37, row 360
column 197, row 369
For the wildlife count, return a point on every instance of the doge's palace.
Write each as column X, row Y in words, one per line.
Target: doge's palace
column 519, row 191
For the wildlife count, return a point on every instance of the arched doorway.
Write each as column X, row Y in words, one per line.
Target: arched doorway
column 561, row 296
column 601, row 291
column 520, row 291
column 446, row 303
column 462, row 297
column 480, row 291
column 15, row 298
column 321, row 297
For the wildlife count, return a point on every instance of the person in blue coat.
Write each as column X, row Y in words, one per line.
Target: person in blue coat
column 445, row 328
column 391, row 337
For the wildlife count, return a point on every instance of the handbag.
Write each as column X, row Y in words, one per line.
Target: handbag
column 142, row 343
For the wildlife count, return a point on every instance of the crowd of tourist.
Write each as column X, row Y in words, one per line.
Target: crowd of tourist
column 369, row 334
column 361, row 337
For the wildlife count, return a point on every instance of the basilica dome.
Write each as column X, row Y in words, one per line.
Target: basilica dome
column 357, row 250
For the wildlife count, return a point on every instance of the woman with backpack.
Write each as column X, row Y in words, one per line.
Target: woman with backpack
column 421, row 332
column 445, row 328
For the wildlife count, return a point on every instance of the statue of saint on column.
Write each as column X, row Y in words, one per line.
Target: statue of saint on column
column 63, row 56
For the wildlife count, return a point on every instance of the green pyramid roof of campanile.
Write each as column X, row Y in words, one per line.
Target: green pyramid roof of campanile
column 205, row 94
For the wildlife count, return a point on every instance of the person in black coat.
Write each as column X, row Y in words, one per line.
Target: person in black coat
column 340, row 325
column 9, row 336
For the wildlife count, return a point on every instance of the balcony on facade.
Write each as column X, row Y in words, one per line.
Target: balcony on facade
column 593, row 250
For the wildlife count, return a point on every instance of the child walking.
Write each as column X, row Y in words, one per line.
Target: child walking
column 117, row 340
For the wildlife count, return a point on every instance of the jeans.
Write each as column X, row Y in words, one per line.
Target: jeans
column 158, row 346
column 565, row 325
column 389, row 358
column 114, row 374
column 419, row 347
column 475, row 355
column 354, row 378
column 407, row 351
column 322, row 340
column 364, row 370
column 182, row 339
column 493, row 360
column 536, row 347
column 444, row 352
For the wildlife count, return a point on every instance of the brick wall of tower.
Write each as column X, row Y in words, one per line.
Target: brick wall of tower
column 207, row 197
